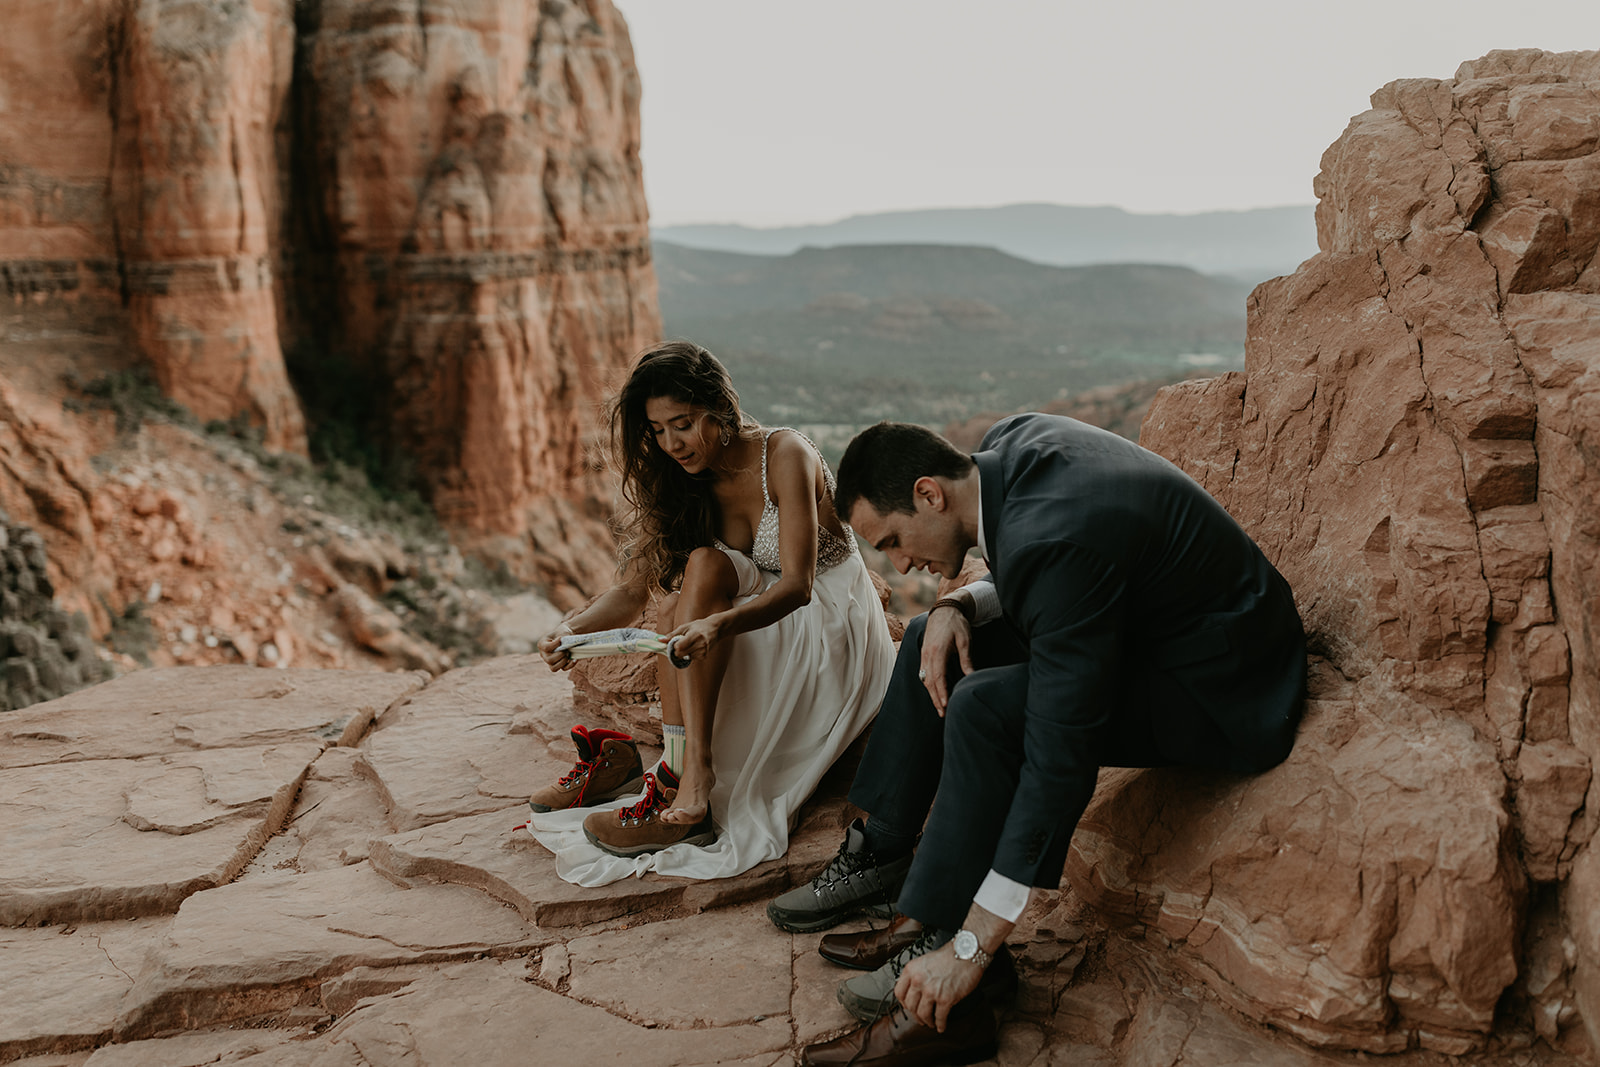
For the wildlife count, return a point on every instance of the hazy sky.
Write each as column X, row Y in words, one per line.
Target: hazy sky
column 767, row 112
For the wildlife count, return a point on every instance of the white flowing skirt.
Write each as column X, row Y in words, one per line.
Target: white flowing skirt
column 795, row 695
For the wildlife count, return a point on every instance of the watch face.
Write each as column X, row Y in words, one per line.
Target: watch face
column 966, row 944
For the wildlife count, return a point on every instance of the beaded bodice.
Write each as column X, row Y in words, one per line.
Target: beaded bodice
column 831, row 549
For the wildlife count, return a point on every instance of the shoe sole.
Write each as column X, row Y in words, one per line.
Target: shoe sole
column 962, row 1058
column 862, row 1008
column 635, row 785
column 780, row 918
column 856, row 965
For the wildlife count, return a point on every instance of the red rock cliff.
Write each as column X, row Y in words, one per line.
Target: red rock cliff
column 479, row 183
column 446, row 197
column 1414, row 442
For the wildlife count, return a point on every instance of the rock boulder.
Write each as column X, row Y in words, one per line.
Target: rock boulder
column 1407, row 443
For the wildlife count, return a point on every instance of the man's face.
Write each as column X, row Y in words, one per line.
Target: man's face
column 929, row 537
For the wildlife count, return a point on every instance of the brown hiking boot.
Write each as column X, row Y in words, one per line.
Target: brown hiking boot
column 608, row 767
column 637, row 829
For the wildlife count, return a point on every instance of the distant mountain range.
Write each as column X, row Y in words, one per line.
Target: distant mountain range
column 1250, row 246
column 928, row 333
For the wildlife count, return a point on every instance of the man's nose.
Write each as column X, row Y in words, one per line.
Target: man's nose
column 901, row 561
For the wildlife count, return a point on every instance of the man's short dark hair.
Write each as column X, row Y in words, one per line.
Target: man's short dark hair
column 884, row 461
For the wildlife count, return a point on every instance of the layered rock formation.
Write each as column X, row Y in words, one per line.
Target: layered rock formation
column 144, row 192
column 481, row 197
column 1413, row 443
column 443, row 202
column 198, row 95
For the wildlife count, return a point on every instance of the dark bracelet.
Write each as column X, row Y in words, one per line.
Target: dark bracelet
column 951, row 602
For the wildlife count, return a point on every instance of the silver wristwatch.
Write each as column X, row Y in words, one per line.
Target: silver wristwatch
column 966, row 947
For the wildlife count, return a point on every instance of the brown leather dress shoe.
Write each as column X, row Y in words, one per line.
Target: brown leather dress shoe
column 898, row 1040
column 869, row 949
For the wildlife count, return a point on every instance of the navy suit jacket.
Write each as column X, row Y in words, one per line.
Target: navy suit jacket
column 1108, row 561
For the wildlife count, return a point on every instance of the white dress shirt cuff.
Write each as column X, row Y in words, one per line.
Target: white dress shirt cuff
column 985, row 601
column 1001, row 897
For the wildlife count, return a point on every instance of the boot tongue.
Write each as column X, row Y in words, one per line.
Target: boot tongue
column 855, row 838
column 580, row 737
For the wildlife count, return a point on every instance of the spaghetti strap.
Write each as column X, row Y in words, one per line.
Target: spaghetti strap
column 766, row 443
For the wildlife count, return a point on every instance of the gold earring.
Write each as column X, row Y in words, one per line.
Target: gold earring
column 727, row 435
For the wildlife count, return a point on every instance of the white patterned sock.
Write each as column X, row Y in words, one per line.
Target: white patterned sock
column 673, row 741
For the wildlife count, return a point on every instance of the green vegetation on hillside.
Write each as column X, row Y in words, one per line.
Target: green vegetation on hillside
column 933, row 334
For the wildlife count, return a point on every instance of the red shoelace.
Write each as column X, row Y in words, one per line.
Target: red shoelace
column 579, row 769
column 651, row 801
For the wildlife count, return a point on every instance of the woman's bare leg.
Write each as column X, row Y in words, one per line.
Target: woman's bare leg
column 666, row 674
column 709, row 586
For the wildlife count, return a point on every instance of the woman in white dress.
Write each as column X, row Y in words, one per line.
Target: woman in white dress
column 732, row 528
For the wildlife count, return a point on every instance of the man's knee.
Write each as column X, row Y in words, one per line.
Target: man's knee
column 986, row 705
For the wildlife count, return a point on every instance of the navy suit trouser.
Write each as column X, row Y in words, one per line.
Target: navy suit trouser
column 955, row 776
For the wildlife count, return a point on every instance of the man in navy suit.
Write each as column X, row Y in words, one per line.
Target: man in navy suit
column 1127, row 621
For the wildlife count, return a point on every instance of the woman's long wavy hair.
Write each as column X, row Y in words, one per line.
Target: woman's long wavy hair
column 669, row 512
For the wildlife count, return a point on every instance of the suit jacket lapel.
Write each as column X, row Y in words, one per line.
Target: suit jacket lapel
column 990, row 481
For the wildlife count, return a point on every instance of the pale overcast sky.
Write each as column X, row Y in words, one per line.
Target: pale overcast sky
column 769, row 113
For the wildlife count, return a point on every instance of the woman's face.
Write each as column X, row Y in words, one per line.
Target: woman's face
column 687, row 434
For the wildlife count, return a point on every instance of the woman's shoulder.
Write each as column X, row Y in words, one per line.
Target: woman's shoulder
column 790, row 448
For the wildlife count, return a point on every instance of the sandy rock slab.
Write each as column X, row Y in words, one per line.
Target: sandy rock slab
column 63, row 984
column 179, row 709
column 260, row 947
column 193, row 1050
column 733, row 961
column 491, row 1013
column 477, row 739
column 490, row 853
column 104, row 839
column 334, row 819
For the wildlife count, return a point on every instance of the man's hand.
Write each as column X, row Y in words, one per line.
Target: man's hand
column 946, row 629
column 933, row 984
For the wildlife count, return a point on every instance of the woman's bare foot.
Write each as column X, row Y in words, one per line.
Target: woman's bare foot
column 693, row 799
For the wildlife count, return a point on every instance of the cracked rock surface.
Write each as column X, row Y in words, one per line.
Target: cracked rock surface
column 368, row 930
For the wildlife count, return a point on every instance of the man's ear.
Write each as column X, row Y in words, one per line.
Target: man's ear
column 926, row 490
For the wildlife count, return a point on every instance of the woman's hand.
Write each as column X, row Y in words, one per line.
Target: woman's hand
column 695, row 639
column 550, row 648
